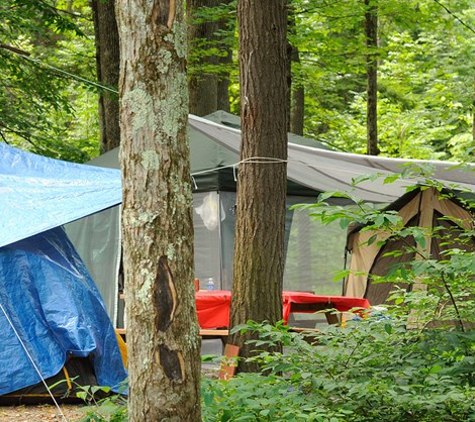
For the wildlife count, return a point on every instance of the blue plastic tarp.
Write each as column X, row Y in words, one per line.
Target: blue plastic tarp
column 39, row 193
column 51, row 307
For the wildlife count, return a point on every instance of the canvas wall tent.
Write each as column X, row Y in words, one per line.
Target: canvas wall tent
column 426, row 208
column 314, row 251
column 51, row 312
column 312, row 246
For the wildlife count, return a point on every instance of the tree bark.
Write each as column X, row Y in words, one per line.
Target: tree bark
column 297, row 106
column 261, row 193
column 203, row 87
column 162, row 330
column 107, row 64
column 296, row 88
column 225, row 26
column 473, row 113
column 371, row 31
column 224, row 82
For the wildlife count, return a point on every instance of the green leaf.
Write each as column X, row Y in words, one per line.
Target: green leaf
column 372, row 239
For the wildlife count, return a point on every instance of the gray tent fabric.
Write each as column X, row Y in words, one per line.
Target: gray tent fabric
column 324, row 170
column 97, row 238
column 215, row 155
column 312, row 168
column 213, row 165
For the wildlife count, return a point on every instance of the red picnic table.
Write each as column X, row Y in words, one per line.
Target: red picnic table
column 213, row 306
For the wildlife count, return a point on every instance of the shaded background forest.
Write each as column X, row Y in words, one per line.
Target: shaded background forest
column 49, row 86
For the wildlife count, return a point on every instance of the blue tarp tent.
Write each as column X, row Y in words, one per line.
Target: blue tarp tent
column 50, row 308
column 39, row 193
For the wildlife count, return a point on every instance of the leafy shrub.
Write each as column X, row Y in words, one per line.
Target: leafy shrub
column 413, row 360
column 371, row 370
column 102, row 405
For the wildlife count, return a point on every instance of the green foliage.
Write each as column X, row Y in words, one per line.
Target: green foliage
column 43, row 49
column 214, row 46
column 411, row 360
column 102, row 405
column 425, row 71
column 374, row 369
column 425, row 78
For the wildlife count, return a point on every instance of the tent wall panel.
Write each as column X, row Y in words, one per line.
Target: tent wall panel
column 426, row 208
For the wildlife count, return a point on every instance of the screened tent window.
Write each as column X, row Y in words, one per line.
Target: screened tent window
column 315, row 252
column 206, row 223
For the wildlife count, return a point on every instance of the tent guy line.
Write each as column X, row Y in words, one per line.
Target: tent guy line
column 25, row 55
column 7, row 317
column 249, row 160
column 273, row 160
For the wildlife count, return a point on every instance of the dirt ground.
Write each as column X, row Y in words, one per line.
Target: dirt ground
column 40, row 413
column 71, row 412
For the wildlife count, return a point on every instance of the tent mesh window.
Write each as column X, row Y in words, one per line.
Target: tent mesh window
column 313, row 251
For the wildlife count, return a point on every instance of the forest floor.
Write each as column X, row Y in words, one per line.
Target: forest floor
column 40, row 413
column 71, row 412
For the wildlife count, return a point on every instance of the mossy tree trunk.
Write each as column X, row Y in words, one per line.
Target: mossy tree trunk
column 260, row 222
column 162, row 329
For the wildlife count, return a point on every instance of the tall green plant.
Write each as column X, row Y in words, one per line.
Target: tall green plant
column 374, row 369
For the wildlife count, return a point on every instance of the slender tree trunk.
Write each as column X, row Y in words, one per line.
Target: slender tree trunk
column 296, row 89
column 208, row 91
column 162, row 328
column 297, row 106
column 225, row 61
column 260, row 222
column 203, row 86
column 223, row 84
column 107, row 63
column 371, row 30
column 473, row 113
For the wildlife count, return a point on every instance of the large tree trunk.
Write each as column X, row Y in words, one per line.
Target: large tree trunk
column 260, row 222
column 162, row 329
column 371, row 31
column 107, row 63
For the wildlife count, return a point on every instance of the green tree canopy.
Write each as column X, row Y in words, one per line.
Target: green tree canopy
column 46, row 59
